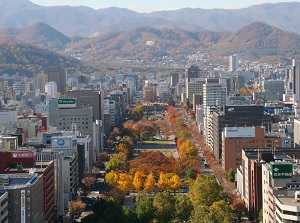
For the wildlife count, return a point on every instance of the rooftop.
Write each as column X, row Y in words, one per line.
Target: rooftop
column 290, row 201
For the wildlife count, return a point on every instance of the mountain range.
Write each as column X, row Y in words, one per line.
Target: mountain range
column 85, row 21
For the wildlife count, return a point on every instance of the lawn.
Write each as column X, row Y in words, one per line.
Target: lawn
column 157, row 142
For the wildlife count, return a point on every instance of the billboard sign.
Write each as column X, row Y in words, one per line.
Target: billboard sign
column 281, row 170
column 67, row 103
column 236, row 132
column 61, row 143
column 23, row 155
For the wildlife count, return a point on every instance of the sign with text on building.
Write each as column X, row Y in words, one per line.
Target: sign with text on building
column 236, row 132
column 61, row 143
column 23, row 155
column 281, row 170
column 67, row 103
column 23, row 207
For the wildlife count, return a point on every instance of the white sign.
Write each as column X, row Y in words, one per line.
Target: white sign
column 23, row 207
column 61, row 143
column 236, row 132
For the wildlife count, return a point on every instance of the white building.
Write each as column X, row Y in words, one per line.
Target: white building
column 51, row 89
column 193, row 86
column 214, row 95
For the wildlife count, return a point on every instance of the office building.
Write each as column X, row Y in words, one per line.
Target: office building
column 232, row 116
column 40, row 82
column 174, row 79
column 25, row 196
column 234, row 139
column 89, row 98
column 214, row 94
column 233, row 63
column 58, row 75
column 51, row 89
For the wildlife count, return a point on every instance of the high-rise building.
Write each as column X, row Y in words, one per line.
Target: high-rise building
column 174, row 79
column 296, row 80
column 51, row 89
column 193, row 86
column 233, row 62
column 58, row 75
column 274, row 87
column 40, row 81
column 90, row 98
column 214, row 94
column 232, row 116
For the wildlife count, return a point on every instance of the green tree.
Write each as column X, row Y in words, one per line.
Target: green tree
column 144, row 207
column 164, row 204
column 261, row 215
column 183, row 207
column 107, row 211
column 220, row 212
column 205, row 191
column 130, row 215
column 201, row 214
column 231, row 175
column 117, row 162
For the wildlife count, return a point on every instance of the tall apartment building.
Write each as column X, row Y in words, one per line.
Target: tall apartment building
column 233, row 62
column 58, row 75
column 214, row 94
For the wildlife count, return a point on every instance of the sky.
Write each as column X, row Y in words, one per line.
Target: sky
column 155, row 5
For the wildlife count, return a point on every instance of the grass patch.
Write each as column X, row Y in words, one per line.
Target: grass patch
column 158, row 142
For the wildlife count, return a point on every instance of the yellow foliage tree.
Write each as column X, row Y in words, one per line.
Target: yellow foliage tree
column 163, row 182
column 112, row 178
column 125, row 182
column 150, row 182
column 138, row 180
column 76, row 207
column 175, row 182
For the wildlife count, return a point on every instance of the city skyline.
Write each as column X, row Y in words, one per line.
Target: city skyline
column 157, row 5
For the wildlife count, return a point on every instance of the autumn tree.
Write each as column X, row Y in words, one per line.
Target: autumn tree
column 125, row 182
column 205, row 191
column 152, row 162
column 112, row 178
column 102, row 157
column 76, row 207
column 150, row 182
column 239, row 207
column 175, row 183
column 138, row 181
column 163, row 182
column 117, row 194
column 88, row 181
